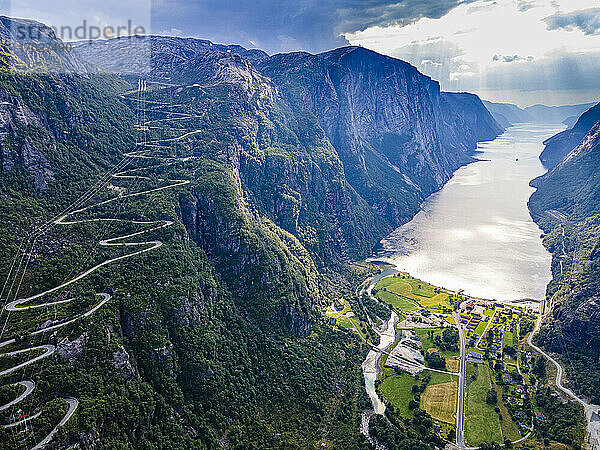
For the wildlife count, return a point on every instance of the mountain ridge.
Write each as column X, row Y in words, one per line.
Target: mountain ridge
column 218, row 337
column 560, row 145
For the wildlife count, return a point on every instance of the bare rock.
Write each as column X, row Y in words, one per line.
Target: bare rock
column 122, row 363
column 71, row 350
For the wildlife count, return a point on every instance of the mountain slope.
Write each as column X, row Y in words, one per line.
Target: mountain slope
column 203, row 339
column 560, row 145
column 208, row 223
column 396, row 134
column 567, row 205
column 556, row 114
column 507, row 114
column 573, row 186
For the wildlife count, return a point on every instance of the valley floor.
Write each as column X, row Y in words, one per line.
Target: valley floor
column 468, row 363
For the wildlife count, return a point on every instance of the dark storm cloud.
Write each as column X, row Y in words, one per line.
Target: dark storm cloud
column 587, row 20
column 275, row 25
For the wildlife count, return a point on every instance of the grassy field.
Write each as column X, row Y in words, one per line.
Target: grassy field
column 507, row 338
column 398, row 301
column 410, row 288
column 452, row 364
column 397, row 389
column 481, row 328
column 510, row 429
column 439, row 400
column 482, row 423
column 351, row 323
column 439, row 378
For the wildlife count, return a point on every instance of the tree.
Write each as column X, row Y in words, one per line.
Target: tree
column 451, row 435
column 435, row 361
column 491, row 397
column 490, row 446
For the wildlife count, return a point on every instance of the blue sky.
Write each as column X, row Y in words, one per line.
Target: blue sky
column 523, row 51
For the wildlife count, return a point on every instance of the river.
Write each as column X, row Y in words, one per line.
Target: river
column 476, row 233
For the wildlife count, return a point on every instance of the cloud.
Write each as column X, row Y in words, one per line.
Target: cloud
column 278, row 26
column 587, row 20
column 501, row 45
column 511, row 58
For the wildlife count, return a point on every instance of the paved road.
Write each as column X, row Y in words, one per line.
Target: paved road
column 67, row 217
column 73, row 404
column 49, row 349
column 589, row 408
column 29, row 386
column 460, row 408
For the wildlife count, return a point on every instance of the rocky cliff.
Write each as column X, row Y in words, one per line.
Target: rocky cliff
column 398, row 137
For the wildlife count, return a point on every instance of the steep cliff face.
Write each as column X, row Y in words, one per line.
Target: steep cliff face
column 560, row 145
column 395, row 133
column 465, row 121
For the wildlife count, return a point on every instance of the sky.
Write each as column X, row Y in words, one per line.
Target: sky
column 520, row 51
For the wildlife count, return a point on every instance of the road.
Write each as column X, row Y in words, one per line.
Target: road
column 71, row 216
column 48, row 350
column 460, row 407
column 73, row 404
column 589, row 408
column 29, row 386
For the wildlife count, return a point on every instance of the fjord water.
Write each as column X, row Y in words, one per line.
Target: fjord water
column 476, row 233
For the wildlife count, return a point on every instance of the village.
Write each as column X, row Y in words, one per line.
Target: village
column 421, row 369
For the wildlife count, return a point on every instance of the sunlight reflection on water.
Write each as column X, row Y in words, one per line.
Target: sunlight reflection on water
column 476, row 234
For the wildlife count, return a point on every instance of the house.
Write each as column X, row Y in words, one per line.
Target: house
column 475, row 357
column 519, row 389
column 338, row 305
